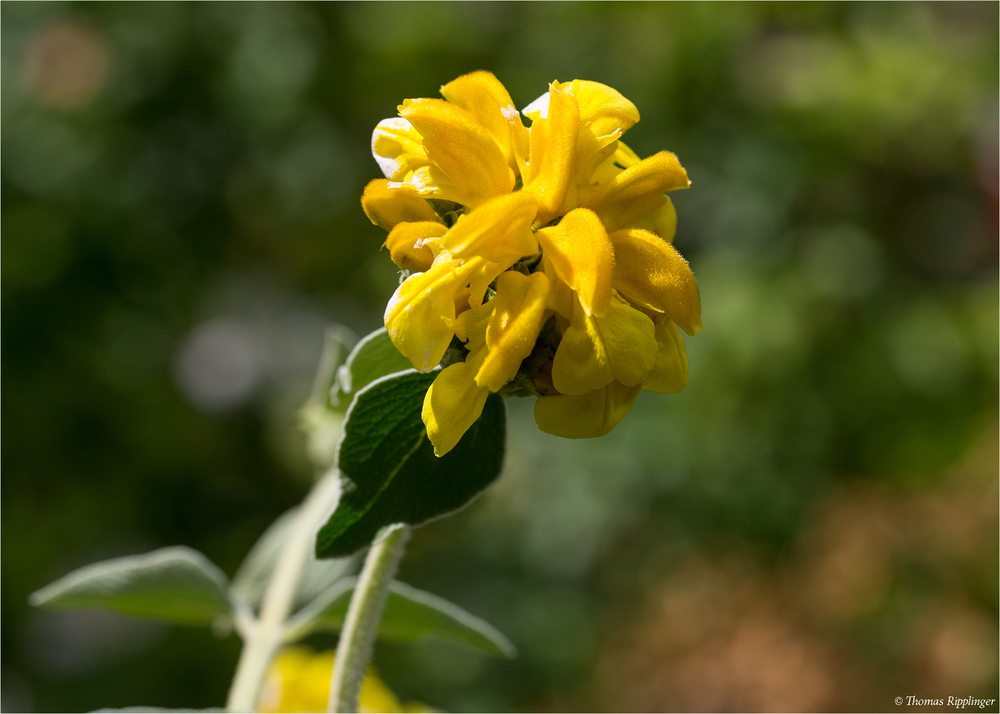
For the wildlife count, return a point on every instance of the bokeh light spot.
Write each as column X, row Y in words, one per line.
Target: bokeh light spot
column 66, row 65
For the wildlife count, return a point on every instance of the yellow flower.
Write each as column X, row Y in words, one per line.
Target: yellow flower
column 499, row 335
column 538, row 260
column 299, row 681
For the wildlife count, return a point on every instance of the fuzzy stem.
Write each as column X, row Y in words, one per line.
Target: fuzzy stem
column 357, row 638
column 266, row 635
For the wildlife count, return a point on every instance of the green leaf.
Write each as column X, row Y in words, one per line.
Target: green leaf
column 389, row 469
column 254, row 574
column 375, row 356
column 177, row 584
column 409, row 614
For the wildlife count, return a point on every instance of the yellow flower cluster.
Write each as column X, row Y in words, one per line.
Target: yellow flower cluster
column 539, row 258
column 299, row 681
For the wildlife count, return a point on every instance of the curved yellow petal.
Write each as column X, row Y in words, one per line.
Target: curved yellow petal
column 604, row 116
column 480, row 279
column 651, row 273
column 581, row 363
column 552, row 153
column 451, row 405
column 624, row 156
column 597, row 165
column 630, row 339
column 386, row 206
column 587, row 415
column 580, row 253
column 470, row 326
column 638, row 189
column 398, row 148
column 420, row 316
column 499, row 230
column 661, row 221
column 616, row 161
column 603, row 109
column 431, row 182
column 406, row 244
column 561, row 297
column 595, row 350
column 461, row 148
column 517, row 317
column 484, row 97
column 670, row 373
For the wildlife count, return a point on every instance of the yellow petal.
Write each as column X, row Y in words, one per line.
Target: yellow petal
column 670, row 373
column 420, row 316
column 406, row 244
column 604, row 116
column 470, row 326
column 451, row 405
column 519, row 310
column 431, row 182
column 594, row 171
column 581, row 363
column 616, row 161
column 595, row 350
column 461, row 148
column 398, row 148
column 651, row 273
column 661, row 221
column 603, row 110
column 561, row 297
column 586, row 415
column 484, row 274
column 580, row 253
column 630, row 339
column 638, row 189
column 387, row 206
column 499, row 230
column 552, row 155
column 485, row 98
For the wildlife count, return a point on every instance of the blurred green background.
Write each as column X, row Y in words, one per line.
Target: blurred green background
column 811, row 525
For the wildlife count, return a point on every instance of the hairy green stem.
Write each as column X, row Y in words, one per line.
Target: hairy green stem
column 357, row 638
column 265, row 636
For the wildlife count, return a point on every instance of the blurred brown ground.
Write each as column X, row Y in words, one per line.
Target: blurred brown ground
column 733, row 634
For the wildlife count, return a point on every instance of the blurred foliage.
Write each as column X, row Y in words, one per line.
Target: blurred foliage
column 810, row 525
